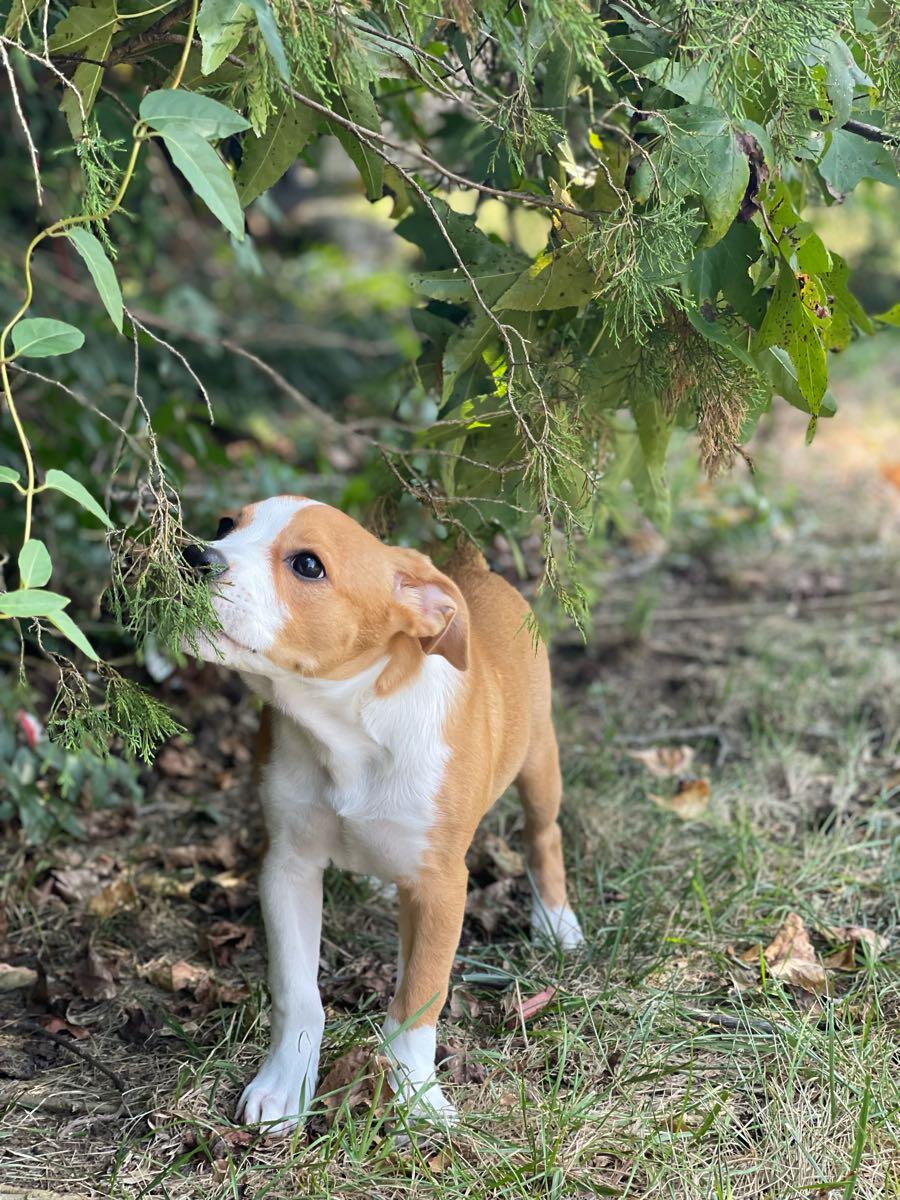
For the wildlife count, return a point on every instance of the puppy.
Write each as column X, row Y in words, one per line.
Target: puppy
column 401, row 702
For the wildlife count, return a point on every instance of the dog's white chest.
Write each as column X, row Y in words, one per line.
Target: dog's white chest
column 353, row 778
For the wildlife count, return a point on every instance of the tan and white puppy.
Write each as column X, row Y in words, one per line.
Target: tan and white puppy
column 401, row 702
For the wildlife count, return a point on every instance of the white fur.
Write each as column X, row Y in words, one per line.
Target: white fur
column 245, row 599
column 555, row 924
column 352, row 781
column 412, row 1053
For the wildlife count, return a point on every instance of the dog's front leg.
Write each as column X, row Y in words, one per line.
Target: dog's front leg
column 290, row 889
column 431, row 915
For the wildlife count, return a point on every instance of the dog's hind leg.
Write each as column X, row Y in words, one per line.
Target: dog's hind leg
column 540, row 788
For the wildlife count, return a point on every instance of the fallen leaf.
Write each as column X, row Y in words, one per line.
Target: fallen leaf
column 210, row 993
column 690, row 800
column 790, row 956
column 525, row 1008
column 358, row 1079
column 223, row 938
column 500, row 858
column 488, row 904
column 60, row 1025
column 463, row 1004
column 179, row 761
column 665, row 761
column 12, row 978
column 116, row 897
column 222, row 851
column 437, row 1162
column 176, row 976
column 75, row 883
column 454, row 1061
column 93, row 978
column 851, row 938
column 140, row 1026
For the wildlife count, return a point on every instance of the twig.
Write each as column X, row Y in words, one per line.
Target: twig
column 667, row 735
column 32, row 150
column 67, row 1044
column 148, row 37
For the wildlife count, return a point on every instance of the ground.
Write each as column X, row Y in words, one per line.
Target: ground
column 674, row 1058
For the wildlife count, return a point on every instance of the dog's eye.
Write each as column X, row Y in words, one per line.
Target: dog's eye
column 226, row 524
column 307, row 566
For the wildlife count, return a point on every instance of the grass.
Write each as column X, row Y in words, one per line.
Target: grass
column 661, row 1069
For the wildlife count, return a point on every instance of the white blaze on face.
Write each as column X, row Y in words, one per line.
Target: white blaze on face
column 245, row 598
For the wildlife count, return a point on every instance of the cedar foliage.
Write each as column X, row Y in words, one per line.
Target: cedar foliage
column 671, row 146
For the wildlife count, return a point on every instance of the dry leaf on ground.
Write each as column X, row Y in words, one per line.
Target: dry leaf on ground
column 851, row 938
column 790, row 956
column 116, row 897
column 690, row 800
column 175, row 976
column 93, row 978
column 455, row 1061
column 224, row 938
column 61, row 1025
column 488, row 904
column 502, row 858
column 358, row 1079
column 12, row 977
column 523, row 1008
column 463, row 1005
column 665, row 761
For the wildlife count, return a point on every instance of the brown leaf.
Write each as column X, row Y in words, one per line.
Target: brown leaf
column 210, row 993
column 790, row 956
column 690, row 800
column 456, row 1063
column 12, row 978
column 525, row 1008
column 140, row 1026
column 504, row 860
column 665, row 761
column 75, row 883
column 222, row 851
column 357, row 1078
column 93, row 978
column 851, row 938
column 487, row 905
column 179, row 761
column 60, row 1025
column 176, row 976
column 463, row 1004
column 224, row 938
column 114, row 898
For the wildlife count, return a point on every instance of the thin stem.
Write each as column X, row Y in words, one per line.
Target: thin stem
column 189, row 37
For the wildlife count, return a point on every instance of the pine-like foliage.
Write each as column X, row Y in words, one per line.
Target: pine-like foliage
column 670, row 149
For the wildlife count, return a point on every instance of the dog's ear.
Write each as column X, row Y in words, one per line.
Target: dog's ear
column 432, row 609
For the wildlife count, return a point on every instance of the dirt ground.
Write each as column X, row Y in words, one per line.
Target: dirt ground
column 744, row 671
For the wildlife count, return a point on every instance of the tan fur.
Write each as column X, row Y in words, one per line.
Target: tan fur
column 390, row 601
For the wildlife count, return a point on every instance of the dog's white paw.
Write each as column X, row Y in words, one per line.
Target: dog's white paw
column 429, row 1103
column 556, row 925
column 280, row 1096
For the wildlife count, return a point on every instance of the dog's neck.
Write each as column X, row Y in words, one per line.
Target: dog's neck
column 350, row 726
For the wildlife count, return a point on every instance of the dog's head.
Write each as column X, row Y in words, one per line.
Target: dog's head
column 302, row 589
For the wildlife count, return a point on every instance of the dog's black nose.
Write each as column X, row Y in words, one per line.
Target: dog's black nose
column 205, row 559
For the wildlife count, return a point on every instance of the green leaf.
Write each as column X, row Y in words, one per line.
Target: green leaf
column 891, row 317
column 61, row 481
column 221, row 25
column 176, row 109
column 19, row 10
column 690, row 82
column 271, row 36
column 265, row 159
column 31, row 602
column 356, row 103
column 8, row 475
column 35, row 567
column 839, row 72
column 790, row 322
column 850, row 158
column 703, row 159
column 846, row 310
column 70, row 630
column 563, row 279
column 777, row 367
column 42, row 337
column 101, row 269
column 207, row 175
column 87, row 32
column 648, row 474
column 724, row 268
